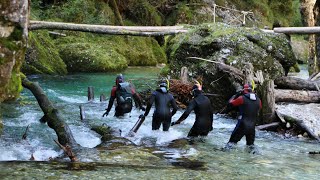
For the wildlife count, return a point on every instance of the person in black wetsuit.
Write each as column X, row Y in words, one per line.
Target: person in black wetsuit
column 204, row 113
column 123, row 92
column 249, row 105
column 163, row 101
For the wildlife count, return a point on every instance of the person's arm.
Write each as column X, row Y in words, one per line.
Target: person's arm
column 174, row 106
column 149, row 104
column 186, row 113
column 111, row 100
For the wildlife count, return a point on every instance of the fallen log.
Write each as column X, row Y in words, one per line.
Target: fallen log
column 51, row 114
column 296, row 84
column 105, row 29
column 297, row 30
column 297, row 96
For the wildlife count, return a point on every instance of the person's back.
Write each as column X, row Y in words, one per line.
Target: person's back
column 123, row 92
column 203, row 113
column 203, row 110
column 250, row 109
column 124, row 97
column 249, row 105
column 164, row 101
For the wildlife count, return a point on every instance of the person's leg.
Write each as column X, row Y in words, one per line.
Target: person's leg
column 237, row 134
column 156, row 123
column 193, row 132
column 118, row 111
column 166, row 124
column 250, row 136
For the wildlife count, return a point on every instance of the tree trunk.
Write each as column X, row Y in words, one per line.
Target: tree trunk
column 296, row 84
column 267, row 114
column 297, row 96
column 51, row 114
column 114, row 5
column 306, row 10
column 104, row 29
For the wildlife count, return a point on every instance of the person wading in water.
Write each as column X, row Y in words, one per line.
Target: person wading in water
column 124, row 93
column 163, row 102
column 203, row 110
column 249, row 105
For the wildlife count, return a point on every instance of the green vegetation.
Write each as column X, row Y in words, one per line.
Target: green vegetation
column 42, row 56
column 85, row 52
column 271, row 12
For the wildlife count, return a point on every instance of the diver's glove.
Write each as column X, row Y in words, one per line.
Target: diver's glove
column 142, row 116
column 143, row 108
column 174, row 123
column 105, row 114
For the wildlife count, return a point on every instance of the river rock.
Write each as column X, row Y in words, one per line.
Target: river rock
column 308, row 114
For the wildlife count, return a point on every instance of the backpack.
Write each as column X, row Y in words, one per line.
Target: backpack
column 124, row 96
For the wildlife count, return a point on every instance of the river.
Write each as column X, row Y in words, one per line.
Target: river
column 154, row 157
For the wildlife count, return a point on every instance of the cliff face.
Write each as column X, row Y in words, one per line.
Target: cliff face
column 14, row 17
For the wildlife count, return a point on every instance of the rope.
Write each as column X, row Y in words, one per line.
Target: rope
column 244, row 13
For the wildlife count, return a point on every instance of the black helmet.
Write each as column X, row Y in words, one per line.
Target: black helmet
column 163, row 83
column 196, row 89
column 119, row 79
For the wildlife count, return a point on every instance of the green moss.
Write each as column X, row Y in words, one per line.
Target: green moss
column 42, row 56
column 112, row 53
column 14, row 86
column 142, row 12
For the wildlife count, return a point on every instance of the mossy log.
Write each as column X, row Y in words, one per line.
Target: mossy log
column 115, row 30
column 296, row 84
column 283, row 95
column 51, row 114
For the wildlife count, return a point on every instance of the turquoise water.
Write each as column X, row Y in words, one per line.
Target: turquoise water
column 154, row 157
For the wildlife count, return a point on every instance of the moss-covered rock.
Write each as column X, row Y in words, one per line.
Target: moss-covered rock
column 270, row 53
column 111, row 53
column 42, row 56
column 13, row 25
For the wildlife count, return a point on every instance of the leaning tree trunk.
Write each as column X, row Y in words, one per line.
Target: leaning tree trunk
column 51, row 114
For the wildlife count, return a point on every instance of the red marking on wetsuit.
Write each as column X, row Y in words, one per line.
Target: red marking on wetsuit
column 237, row 102
column 113, row 91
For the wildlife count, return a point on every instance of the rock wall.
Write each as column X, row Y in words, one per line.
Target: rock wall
column 14, row 16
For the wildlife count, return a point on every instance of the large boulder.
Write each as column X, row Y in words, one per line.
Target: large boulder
column 42, row 56
column 13, row 37
column 235, row 46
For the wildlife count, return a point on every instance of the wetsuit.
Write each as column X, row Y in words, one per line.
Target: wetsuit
column 249, row 105
column 121, row 109
column 204, row 116
column 163, row 101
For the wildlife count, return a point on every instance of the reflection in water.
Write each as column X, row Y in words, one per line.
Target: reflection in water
column 157, row 154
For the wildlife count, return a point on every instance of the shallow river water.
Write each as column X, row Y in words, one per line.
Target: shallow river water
column 153, row 157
